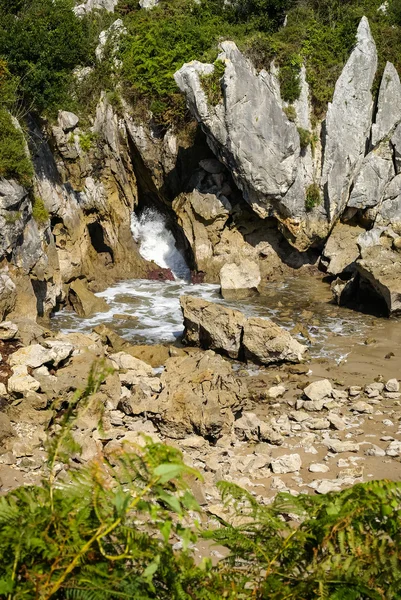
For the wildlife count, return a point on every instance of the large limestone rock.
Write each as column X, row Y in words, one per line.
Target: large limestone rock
column 388, row 113
column 265, row 342
column 381, row 268
column 212, row 326
column 200, row 394
column 84, row 302
column 90, row 5
column 239, row 280
column 67, row 120
column 348, row 121
column 376, row 172
column 341, row 250
column 8, row 294
column 249, row 131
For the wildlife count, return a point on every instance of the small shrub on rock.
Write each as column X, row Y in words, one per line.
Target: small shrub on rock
column 313, row 197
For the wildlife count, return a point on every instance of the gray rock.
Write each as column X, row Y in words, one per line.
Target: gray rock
column 338, row 446
column 376, row 172
column 362, row 407
column 247, row 427
column 316, row 424
column 388, row 113
column 67, row 120
column 318, row 390
column 239, row 281
column 90, row 5
column 148, row 4
column 348, row 121
column 276, row 391
column 336, row 421
column 8, row 294
column 318, row 468
column 288, row 463
column 381, row 268
column 394, row 449
column 249, row 131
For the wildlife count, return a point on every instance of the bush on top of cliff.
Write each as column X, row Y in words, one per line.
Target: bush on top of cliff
column 43, row 41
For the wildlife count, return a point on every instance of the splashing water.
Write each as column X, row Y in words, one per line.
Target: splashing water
column 157, row 243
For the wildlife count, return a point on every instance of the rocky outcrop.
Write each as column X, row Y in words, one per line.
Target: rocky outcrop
column 341, row 250
column 228, row 331
column 380, row 266
column 83, row 301
column 348, row 122
column 90, row 5
column 388, row 113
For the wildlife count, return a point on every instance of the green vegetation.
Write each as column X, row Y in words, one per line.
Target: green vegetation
column 12, row 216
column 305, row 137
column 39, row 211
column 86, row 140
column 290, row 112
column 108, row 530
column 211, row 83
column 313, row 197
column 14, row 162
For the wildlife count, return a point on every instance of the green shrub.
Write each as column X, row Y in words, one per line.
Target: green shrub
column 290, row 113
column 12, row 216
column 39, row 211
column 86, row 140
column 312, row 196
column 305, row 137
column 211, row 83
column 14, row 162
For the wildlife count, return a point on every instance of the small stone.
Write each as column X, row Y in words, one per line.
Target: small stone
column 318, row 468
column 32, row 356
column 375, row 451
column 394, row 448
column 317, row 424
column 8, row 330
column 339, row 446
column 195, row 442
column 268, row 434
column 276, row 391
column 337, row 422
column 355, row 390
column 313, row 405
column 123, row 360
column 388, row 423
column 392, row 385
column 318, row 390
column 299, row 416
column 362, row 407
column 288, row 463
column 392, row 395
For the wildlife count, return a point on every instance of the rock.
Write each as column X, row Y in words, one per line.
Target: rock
column 239, row 281
column 211, row 165
column 318, row 468
column 67, row 120
column 288, row 463
column 388, row 113
column 394, row 449
column 6, row 430
column 84, row 302
column 90, row 5
column 376, row 171
column 59, row 351
column 21, row 383
column 318, row 390
column 381, row 268
column 148, row 4
column 341, row 249
column 211, row 325
column 268, row 434
column 276, row 392
column 392, row 385
column 299, row 416
column 317, row 424
column 123, row 360
column 253, row 138
column 200, row 395
column 266, row 343
column 8, row 295
column 375, row 451
column 32, row 356
column 8, row 330
column 339, row 446
column 247, row 427
column 348, row 121
column 362, row 407
column 355, row 390
column 337, row 422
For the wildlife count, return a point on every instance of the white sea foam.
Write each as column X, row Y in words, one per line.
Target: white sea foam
column 157, row 243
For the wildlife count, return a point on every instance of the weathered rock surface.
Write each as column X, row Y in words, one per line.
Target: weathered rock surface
column 388, row 113
column 341, row 250
column 200, row 394
column 84, row 302
column 348, row 121
column 264, row 342
column 239, row 281
column 381, row 268
column 212, row 326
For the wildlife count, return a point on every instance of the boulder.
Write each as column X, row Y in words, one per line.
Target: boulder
column 83, row 301
column 201, row 394
column 123, row 360
column 318, row 390
column 67, row 120
column 239, row 281
column 376, row 172
column 264, row 342
column 148, row 4
column 381, row 268
column 212, row 326
column 21, row 382
column 348, row 121
column 288, row 463
column 341, row 249
column 32, row 356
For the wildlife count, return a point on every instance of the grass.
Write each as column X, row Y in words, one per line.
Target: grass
column 312, row 197
column 211, row 83
column 39, row 211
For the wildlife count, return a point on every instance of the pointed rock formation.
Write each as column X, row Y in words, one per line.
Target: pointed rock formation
column 388, row 105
